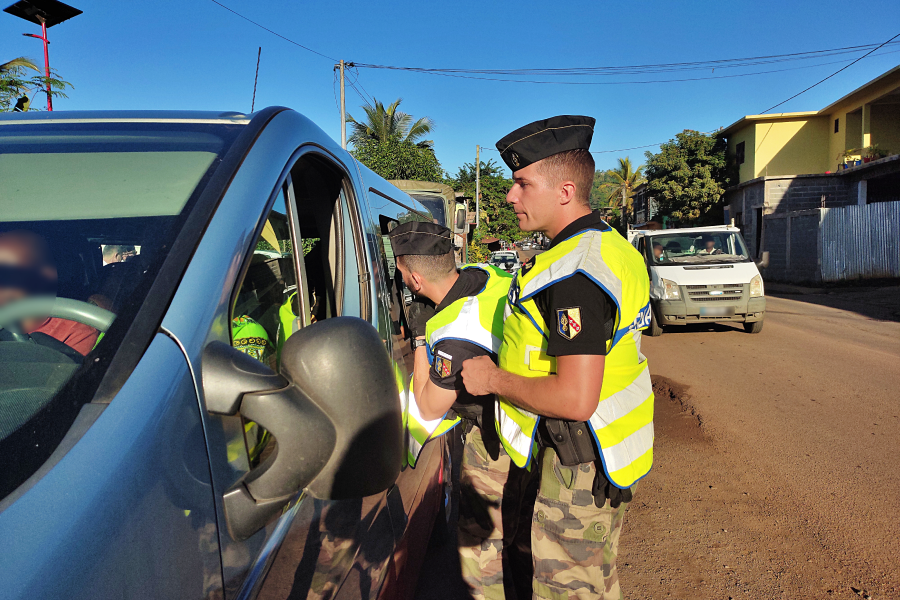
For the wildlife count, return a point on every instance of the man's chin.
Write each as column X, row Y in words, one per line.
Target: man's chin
column 523, row 222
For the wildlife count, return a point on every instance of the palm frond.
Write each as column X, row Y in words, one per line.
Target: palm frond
column 19, row 62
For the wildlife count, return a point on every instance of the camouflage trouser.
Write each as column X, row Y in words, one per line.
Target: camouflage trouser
column 573, row 542
column 494, row 526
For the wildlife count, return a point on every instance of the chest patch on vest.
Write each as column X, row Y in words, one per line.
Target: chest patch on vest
column 443, row 364
column 568, row 322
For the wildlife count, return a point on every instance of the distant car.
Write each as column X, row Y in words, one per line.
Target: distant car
column 506, row 260
column 231, row 426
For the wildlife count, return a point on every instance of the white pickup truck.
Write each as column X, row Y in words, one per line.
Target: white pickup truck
column 701, row 274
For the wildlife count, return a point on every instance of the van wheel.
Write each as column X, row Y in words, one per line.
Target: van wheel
column 755, row 327
column 655, row 329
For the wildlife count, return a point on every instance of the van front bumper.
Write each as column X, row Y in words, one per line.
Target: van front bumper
column 679, row 312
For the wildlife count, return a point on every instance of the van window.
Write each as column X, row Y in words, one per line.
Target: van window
column 695, row 248
column 392, row 212
column 296, row 272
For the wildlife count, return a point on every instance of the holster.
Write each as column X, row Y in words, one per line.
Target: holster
column 477, row 414
column 572, row 441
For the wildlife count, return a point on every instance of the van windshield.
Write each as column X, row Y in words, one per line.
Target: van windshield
column 698, row 248
column 90, row 212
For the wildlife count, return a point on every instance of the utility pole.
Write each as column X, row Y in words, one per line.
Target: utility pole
column 477, row 186
column 343, row 110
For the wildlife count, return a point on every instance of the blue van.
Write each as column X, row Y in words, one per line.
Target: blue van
column 203, row 363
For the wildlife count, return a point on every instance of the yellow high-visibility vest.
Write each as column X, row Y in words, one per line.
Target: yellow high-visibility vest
column 622, row 424
column 476, row 319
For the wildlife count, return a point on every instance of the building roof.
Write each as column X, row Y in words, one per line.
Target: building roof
column 861, row 88
column 805, row 114
column 771, row 117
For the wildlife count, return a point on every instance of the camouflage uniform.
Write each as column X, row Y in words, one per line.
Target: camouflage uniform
column 494, row 519
column 573, row 542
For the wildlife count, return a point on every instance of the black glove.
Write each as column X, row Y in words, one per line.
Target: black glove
column 603, row 490
column 418, row 313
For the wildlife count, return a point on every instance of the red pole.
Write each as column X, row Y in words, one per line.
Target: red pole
column 47, row 63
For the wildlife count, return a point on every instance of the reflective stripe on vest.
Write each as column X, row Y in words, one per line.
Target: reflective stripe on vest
column 476, row 319
column 622, row 424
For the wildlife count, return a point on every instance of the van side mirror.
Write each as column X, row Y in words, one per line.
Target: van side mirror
column 762, row 264
column 461, row 217
column 334, row 411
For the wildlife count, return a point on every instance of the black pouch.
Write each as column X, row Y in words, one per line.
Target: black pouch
column 572, row 441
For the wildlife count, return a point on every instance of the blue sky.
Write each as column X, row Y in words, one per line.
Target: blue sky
column 193, row 54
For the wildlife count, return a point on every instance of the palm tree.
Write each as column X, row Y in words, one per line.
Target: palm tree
column 625, row 180
column 13, row 85
column 384, row 124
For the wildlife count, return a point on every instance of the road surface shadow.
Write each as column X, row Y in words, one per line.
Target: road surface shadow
column 703, row 328
column 881, row 304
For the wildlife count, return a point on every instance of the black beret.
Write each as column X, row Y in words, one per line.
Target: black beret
column 538, row 140
column 419, row 237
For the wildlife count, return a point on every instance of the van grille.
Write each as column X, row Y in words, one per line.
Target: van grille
column 730, row 292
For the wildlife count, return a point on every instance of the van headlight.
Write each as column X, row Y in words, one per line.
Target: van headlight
column 756, row 286
column 670, row 290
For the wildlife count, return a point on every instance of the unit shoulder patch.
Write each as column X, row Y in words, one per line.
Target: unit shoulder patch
column 443, row 365
column 568, row 322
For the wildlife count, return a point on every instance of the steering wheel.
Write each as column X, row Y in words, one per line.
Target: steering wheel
column 63, row 308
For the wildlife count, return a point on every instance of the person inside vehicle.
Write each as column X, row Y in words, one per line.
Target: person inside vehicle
column 658, row 252
column 709, row 246
column 116, row 253
column 28, row 270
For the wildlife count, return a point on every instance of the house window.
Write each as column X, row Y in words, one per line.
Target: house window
column 837, row 125
column 739, row 152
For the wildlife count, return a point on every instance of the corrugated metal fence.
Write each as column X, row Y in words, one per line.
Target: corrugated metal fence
column 858, row 242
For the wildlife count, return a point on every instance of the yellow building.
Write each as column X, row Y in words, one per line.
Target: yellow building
column 816, row 142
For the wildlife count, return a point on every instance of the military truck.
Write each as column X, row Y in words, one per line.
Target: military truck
column 441, row 202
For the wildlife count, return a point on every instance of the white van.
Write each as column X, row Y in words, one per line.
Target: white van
column 701, row 274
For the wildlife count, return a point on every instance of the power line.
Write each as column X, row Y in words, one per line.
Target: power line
column 272, row 32
column 830, row 76
column 638, row 69
column 610, row 70
column 358, row 82
column 461, row 76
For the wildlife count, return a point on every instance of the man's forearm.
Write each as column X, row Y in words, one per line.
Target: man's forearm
column 541, row 395
column 420, row 371
column 572, row 393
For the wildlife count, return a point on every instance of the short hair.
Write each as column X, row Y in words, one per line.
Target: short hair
column 433, row 267
column 112, row 249
column 572, row 165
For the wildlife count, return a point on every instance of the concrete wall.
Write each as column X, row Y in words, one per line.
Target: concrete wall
column 747, row 170
column 791, row 147
column 792, row 242
column 802, row 193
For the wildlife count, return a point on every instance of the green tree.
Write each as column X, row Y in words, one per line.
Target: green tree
column 688, row 176
column 395, row 159
column 17, row 85
column 389, row 124
column 599, row 197
column 498, row 219
column 389, row 142
column 621, row 181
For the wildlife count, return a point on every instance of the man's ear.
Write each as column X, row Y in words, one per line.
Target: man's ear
column 567, row 190
column 417, row 281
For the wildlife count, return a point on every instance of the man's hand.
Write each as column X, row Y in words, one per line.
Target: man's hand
column 477, row 374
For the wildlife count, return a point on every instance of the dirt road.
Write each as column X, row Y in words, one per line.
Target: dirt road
column 776, row 467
